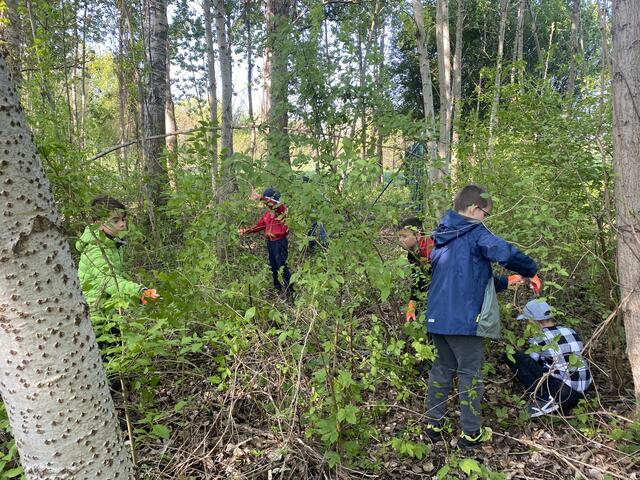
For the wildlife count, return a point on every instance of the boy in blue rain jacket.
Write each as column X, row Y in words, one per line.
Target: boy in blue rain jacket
column 462, row 307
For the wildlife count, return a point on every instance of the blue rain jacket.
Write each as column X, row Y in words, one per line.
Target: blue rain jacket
column 461, row 262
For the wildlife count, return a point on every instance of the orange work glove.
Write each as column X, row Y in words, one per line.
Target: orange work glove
column 536, row 284
column 148, row 294
column 514, row 280
column 411, row 311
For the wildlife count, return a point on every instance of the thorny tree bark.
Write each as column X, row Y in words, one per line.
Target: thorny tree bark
column 54, row 386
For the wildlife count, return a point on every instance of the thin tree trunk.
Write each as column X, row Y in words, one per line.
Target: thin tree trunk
column 444, row 74
column 277, row 80
column 534, row 32
column 457, row 86
column 83, row 79
column 362, row 105
column 123, row 91
column 171, row 127
column 226, row 131
column 518, row 48
column 546, row 62
column 252, row 120
column 156, row 28
column 625, row 84
column 575, row 47
column 493, row 120
column 425, row 75
column 53, row 384
column 211, row 93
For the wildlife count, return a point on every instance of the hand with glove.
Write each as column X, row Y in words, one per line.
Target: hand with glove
column 148, row 295
column 514, row 281
column 536, row 284
column 411, row 311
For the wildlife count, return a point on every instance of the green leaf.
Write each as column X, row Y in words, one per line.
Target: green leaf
column 180, row 406
column 13, row 473
column 348, row 413
column 249, row 314
column 468, row 465
column 161, row 431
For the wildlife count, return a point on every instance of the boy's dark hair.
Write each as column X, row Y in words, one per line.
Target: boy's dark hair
column 102, row 206
column 411, row 223
column 471, row 195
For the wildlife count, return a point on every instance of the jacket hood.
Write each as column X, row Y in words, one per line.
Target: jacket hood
column 452, row 226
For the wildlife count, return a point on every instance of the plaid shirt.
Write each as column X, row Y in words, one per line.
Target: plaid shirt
column 559, row 351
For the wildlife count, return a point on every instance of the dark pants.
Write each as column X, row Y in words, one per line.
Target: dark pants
column 536, row 380
column 461, row 356
column 319, row 236
column 278, row 253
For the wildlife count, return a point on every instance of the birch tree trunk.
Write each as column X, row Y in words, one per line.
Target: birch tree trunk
column 493, row 119
column 425, row 76
column 444, row 74
column 625, row 83
column 156, row 27
column 211, row 93
column 457, row 86
column 226, row 131
column 54, row 386
column 171, row 127
column 575, row 46
column 277, row 80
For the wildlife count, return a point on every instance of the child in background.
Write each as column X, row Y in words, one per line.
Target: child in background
column 552, row 369
column 273, row 222
column 418, row 247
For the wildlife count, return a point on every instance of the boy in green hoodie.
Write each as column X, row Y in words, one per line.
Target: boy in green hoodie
column 101, row 264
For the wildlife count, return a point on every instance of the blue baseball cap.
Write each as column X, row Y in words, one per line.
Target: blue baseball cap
column 271, row 194
column 536, row 310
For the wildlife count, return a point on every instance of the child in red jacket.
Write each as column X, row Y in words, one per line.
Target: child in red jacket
column 276, row 231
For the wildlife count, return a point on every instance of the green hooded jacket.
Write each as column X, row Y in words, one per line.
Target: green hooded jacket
column 100, row 268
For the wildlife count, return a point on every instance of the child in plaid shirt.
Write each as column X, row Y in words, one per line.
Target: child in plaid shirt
column 553, row 370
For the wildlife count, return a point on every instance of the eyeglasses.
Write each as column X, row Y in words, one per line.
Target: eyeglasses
column 486, row 214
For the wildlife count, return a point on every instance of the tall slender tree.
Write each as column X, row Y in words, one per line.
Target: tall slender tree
column 444, row 74
column 155, row 41
column 493, row 120
column 211, row 93
column 276, row 77
column 226, row 73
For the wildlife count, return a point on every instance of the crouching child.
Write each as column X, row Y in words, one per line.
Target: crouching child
column 552, row 369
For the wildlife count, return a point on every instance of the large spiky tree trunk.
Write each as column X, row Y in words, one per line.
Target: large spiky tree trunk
column 53, row 383
column 625, row 83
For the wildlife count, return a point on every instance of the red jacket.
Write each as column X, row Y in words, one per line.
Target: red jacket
column 272, row 222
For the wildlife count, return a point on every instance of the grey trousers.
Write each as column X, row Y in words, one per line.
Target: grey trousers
column 462, row 356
